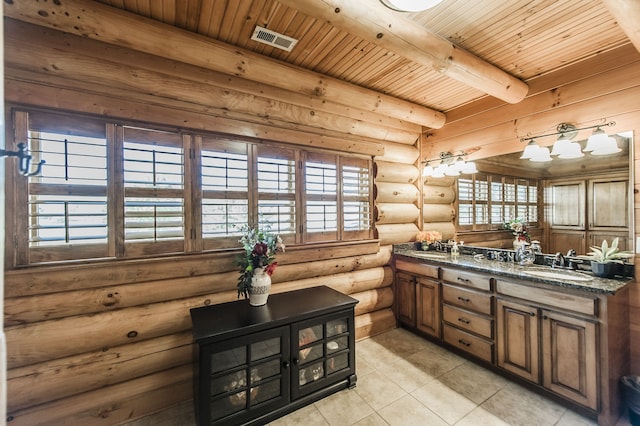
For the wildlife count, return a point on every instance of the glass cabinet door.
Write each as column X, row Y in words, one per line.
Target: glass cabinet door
column 249, row 373
column 322, row 350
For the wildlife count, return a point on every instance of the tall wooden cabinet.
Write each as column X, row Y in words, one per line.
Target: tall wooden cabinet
column 582, row 212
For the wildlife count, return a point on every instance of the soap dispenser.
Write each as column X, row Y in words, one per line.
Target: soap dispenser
column 455, row 251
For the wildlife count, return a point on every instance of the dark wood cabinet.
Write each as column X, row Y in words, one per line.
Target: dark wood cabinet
column 255, row 364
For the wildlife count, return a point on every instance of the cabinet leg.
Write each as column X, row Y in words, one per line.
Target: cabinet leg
column 352, row 381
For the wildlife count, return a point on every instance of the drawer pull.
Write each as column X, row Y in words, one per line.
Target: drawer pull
column 464, row 280
column 464, row 321
column 533, row 314
column 462, row 299
column 544, row 317
column 465, row 343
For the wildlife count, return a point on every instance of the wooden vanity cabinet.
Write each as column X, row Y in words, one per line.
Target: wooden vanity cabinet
column 571, row 343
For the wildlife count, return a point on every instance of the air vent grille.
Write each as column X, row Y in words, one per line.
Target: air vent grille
column 272, row 38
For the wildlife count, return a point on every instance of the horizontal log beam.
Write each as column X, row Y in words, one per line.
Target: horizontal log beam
column 388, row 192
column 627, row 14
column 111, row 25
column 379, row 25
column 374, row 323
column 395, row 172
column 29, row 47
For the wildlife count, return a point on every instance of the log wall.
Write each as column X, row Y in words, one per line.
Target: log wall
column 104, row 342
column 603, row 87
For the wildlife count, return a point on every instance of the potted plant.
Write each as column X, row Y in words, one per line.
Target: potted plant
column 427, row 238
column 257, row 263
column 605, row 259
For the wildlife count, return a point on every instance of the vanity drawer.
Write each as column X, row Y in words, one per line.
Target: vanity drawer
column 467, row 299
column 474, row 345
column 468, row 320
column 561, row 299
column 417, row 268
column 469, row 279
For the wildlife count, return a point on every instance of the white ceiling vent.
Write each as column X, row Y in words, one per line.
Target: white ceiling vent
column 272, row 38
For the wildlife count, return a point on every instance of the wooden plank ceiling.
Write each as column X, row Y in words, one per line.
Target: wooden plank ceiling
column 525, row 38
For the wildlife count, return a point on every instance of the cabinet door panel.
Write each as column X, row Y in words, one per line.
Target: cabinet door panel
column 406, row 296
column 517, row 337
column 247, row 376
column 569, row 357
column 428, row 306
column 322, row 351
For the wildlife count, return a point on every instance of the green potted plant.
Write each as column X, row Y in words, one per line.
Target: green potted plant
column 605, row 259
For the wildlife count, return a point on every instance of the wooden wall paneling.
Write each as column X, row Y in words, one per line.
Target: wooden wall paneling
column 438, row 194
column 183, row 46
column 395, row 172
column 396, row 233
column 447, row 229
column 374, row 323
column 438, row 213
column 36, row 384
column 398, row 153
column 115, row 102
column 396, row 213
column 373, row 300
column 112, row 404
column 388, row 192
column 77, row 66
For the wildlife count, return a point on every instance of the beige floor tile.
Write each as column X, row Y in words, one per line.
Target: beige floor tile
column 344, row 408
column 409, row 411
column 308, row 416
column 480, row 417
column 407, row 375
column 378, row 390
column 435, row 361
column 444, row 401
column 521, row 407
column 363, row 366
column 401, row 342
column 571, row 418
column 372, row 420
column 474, row 382
column 377, row 355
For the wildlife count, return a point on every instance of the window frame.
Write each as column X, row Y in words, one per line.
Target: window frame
column 503, row 203
column 192, row 193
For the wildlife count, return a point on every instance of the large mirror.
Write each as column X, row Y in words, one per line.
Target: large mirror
column 582, row 201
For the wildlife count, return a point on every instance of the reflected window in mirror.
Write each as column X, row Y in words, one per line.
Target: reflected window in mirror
column 487, row 201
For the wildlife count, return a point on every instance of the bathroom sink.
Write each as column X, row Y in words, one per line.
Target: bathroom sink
column 557, row 275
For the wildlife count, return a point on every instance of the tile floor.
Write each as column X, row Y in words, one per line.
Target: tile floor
column 406, row 380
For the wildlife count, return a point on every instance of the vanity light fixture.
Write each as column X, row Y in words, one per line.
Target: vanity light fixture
column 410, row 5
column 564, row 148
column 450, row 165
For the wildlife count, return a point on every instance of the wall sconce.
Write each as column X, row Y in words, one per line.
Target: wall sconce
column 24, row 160
column 410, row 5
column 564, row 148
column 450, row 165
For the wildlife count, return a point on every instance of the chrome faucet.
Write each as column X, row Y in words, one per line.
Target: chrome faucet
column 558, row 260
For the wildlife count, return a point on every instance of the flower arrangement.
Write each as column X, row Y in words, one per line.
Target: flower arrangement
column 426, row 238
column 260, row 247
column 518, row 228
column 429, row 237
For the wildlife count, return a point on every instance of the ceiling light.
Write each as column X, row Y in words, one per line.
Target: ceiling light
column 541, row 155
column 573, row 150
column 428, row 170
column 597, row 140
column 449, row 165
column 561, row 146
column 469, row 168
column 410, row 5
column 529, row 150
column 609, row 147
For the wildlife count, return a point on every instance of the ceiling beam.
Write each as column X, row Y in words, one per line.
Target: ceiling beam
column 627, row 13
column 392, row 31
column 100, row 22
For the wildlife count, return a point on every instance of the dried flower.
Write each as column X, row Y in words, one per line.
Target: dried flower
column 518, row 228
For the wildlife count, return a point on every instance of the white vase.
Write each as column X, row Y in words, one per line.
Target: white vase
column 260, row 287
column 517, row 243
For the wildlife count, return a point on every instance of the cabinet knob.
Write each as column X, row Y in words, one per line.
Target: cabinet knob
column 296, row 361
column 285, row 364
column 533, row 314
column 544, row 317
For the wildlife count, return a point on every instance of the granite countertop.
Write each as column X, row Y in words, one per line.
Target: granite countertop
column 587, row 281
